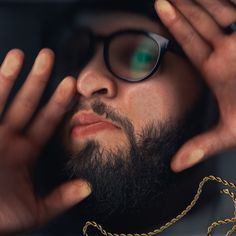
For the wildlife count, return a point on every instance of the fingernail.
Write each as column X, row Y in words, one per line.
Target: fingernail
column 68, row 83
column 42, row 63
column 165, row 8
column 86, row 190
column 67, row 89
column 10, row 66
column 195, row 157
column 78, row 192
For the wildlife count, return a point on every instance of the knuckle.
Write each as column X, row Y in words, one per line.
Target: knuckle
column 185, row 36
column 188, row 38
column 27, row 103
column 59, row 103
column 174, row 22
column 196, row 16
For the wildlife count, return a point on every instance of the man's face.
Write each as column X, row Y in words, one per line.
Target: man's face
column 119, row 130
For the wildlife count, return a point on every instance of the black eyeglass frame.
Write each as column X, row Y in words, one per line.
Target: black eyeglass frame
column 163, row 43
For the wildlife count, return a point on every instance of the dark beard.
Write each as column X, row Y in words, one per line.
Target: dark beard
column 129, row 181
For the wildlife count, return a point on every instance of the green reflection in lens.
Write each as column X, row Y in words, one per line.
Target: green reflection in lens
column 143, row 58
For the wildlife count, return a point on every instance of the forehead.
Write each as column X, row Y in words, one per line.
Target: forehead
column 106, row 22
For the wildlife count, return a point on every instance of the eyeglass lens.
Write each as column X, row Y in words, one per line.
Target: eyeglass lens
column 133, row 56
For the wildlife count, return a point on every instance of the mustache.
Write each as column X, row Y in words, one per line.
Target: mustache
column 100, row 108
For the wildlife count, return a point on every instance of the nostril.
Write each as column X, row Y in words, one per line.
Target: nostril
column 101, row 91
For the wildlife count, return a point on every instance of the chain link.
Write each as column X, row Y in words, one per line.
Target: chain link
column 183, row 213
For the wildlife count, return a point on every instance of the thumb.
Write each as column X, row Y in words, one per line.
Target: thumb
column 201, row 147
column 62, row 198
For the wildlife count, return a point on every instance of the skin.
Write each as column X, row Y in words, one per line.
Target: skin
column 169, row 87
column 213, row 54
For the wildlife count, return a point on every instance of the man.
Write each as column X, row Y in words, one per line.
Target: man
column 133, row 107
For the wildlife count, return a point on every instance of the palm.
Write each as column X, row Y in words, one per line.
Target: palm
column 19, row 207
column 220, row 73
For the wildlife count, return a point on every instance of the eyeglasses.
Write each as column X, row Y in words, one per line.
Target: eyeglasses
column 131, row 55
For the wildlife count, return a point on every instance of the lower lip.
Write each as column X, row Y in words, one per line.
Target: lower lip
column 84, row 130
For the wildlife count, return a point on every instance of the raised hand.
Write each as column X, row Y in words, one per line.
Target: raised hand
column 198, row 26
column 21, row 141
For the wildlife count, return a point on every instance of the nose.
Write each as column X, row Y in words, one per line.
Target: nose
column 95, row 79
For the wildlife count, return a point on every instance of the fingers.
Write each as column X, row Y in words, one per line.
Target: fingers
column 192, row 43
column 47, row 119
column 201, row 147
column 201, row 21
column 197, row 24
column 223, row 12
column 27, row 100
column 62, row 199
column 9, row 71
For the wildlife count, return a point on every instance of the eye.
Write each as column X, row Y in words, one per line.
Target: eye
column 143, row 57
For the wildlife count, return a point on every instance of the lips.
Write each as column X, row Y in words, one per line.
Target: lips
column 87, row 123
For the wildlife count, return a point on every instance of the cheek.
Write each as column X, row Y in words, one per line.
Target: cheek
column 161, row 99
column 151, row 102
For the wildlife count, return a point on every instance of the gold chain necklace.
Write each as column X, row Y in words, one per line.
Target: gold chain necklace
column 183, row 213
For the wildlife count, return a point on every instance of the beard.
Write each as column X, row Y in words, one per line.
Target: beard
column 131, row 179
